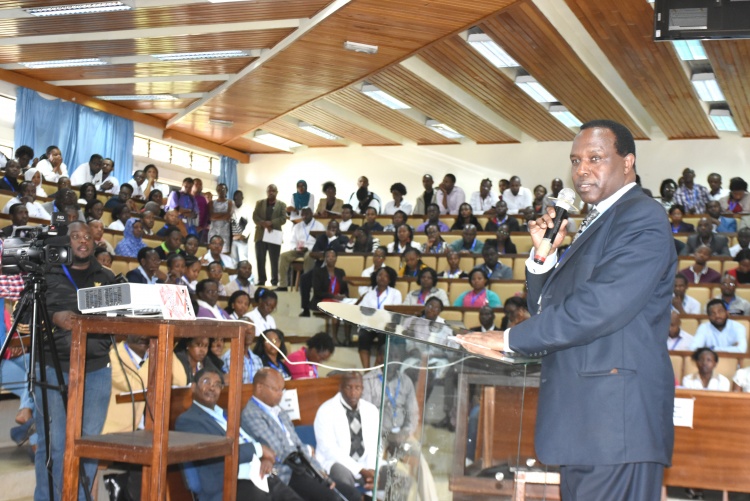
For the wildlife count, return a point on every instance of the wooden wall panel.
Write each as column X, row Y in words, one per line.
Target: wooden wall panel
column 730, row 60
column 339, row 126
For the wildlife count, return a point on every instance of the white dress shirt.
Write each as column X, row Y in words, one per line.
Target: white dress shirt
column 35, row 209
column 301, row 234
column 455, row 198
column 114, row 190
column 261, row 324
column 390, row 208
column 732, row 338
column 83, row 175
column 682, row 342
column 48, row 173
column 389, row 297
column 716, row 383
column 481, row 205
column 517, row 202
column 690, row 305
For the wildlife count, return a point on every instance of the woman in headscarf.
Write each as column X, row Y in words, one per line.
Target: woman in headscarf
column 301, row 198
column 35, row 177
column 132, row 240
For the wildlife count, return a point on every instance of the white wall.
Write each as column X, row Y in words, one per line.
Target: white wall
column 535, row 163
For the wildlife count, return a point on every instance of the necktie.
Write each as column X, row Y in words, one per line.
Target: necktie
column 586, row 221
column 357, row 449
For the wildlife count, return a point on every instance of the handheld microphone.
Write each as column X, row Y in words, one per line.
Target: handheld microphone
column 563, row 204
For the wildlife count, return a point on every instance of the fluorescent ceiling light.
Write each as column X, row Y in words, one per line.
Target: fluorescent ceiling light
column 534, row 89
column 722, row 120
column 443, row 129
column 318, row 131
column 386, row 99
column 274, row 141
column 81, row 8
column 139, row 97
column 64, row 63
column 361, row 47
column 220, row 123
column 563, row 115
column 491, row 51
column 192, row 56
column 690, row 50
column 707, row 87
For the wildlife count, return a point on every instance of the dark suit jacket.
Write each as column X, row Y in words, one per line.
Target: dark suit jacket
column 278, row 216
column 719, row 245
column 607, row 386
column 321, row 283
column 210, row 471
column 512, row 222
column 7, row 231
column 135, row 277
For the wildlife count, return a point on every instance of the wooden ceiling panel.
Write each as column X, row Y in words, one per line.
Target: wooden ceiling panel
column 730, row 60
column 157, row 69
column 317, row 63
column 528, row 36
column 412, row 90
column 162, row 17
column 145, row 88
column 355, row 101
column 155, row 105
column 652, row 71
column 250, row 146
column 463, row 66
column 339, row 126
column 292, row 132
column 236, row 40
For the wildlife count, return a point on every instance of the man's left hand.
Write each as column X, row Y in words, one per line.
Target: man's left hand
column 488, row 344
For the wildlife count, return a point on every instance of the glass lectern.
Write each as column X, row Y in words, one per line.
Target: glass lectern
column 453, row 425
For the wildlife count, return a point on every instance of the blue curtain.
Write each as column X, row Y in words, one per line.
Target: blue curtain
column 77, row 130
column 228, row 175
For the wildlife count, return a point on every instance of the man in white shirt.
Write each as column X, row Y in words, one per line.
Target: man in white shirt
column 108, row 183
column 27, row 196
column 483, row 201
column 449, row 196
column 363, row 182
column 678, row 339
column 681, row 302
column 90, row 172
column 241, row 228
column 715, row 191
column 214, row 254
column 346, row 433
column 302, row 242
column 735, row 304
column 720, row 333
column 517, row 197
column 135, row 182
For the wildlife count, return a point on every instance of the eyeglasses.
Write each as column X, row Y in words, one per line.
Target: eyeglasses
column 80, row 237
column 217, row 385
column 728, row 284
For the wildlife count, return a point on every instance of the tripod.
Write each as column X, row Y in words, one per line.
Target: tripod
column 33, row 297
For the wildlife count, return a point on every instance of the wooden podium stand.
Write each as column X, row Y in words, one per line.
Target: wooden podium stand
column 155, row 447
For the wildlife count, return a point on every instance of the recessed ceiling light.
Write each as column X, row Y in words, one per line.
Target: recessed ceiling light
column 383, row 98
column 443, row 129
column 192, row 56
column 534, row 89
column 361, row 47
column 318, row 131
column 64, row 63
column 722, row 120
column 140, row 97
column 81, row 8
column 707, row 87
column 278, row 142
column 690, row 50
column 491, row 51
column 561, row 113
column 220, row 123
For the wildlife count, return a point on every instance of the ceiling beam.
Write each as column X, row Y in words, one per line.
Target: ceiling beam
column 134, row 80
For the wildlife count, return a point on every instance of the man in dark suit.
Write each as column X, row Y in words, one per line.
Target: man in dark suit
column 599, row 314
column 19, row 216
column 269, row 214
column 205, row 417
column 704, row 235
column 148, row 272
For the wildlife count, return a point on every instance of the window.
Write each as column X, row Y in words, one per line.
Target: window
column 177, row 155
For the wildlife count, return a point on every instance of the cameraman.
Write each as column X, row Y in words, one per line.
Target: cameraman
column 63, row 283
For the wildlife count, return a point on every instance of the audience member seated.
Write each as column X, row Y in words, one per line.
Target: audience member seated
column 362, row 242
column 378, row 260
column 329, row 282
column 433, row 218
column 94, row 210
column 453, row 271
column 254, row 479
column 148, row 219
column 370, row 223
column 528, row 216
column 242, row 281
column 491, row 267
column 135, row 182
column 151, row 182
column 148, row 270
column 51, row 165
column 192, row 244
column 330, row 205
column 24, row 155
column 251, row 362
column 193, row 355
column 427, row 279
column 216, row 273
column 435, row 243
column 270, row 347
column 26, row 195
column 399, row 218
column 365, row 200
column 486, row 320
column 715, row 191
column 678, row 339
column 266, row 304
column 19, row 216
column 214, row 253
column 483, row 201
column 667, row 190
column 449, row 197
column 363, row 182
column 742, row 380
column 398, row 191
column 238, row 305
column 172, row 220
column 35, row 177
column 207, row 291
column 427, row 197
column 176, row 266
column 743, row 242
column 500, row 218
column 742, row 272
column 517, row 197
column 89, row 172
column 302, row 363
column 433, row 307
column 123, row 197
column 469, row 243
column 403, row 239
column 706, row 378
column 346, row 224
column 300, row 199
column 516, row 311
column 331, row 239
column 720, row 333
column 132, row 240
column 738, row 200
column 735, row 304
column 465, row 217
column 720, row 223
column 540, row 193
column 9, row 182
column 676, row 213
column 705, row 236
column 109, row 183
column 346, row 433
column 555, row 186
column 681, row 302
column 382, row 294
column 411, row 263
column 157, row 197
column 699, row 272
column 171, row 245
column 263, row 418
column 193, row 268
column 120, row 216
column 86, row 194
column 104, row 258
column 693, row 197
column 479, row 295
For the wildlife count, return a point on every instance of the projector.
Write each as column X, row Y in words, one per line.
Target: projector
column 132, row 299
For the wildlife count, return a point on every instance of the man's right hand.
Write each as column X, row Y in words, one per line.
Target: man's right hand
column 368, row 477
column 538, row 227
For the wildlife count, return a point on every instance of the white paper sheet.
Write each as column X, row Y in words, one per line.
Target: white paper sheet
column 290, row 404
column 683, row 412
column 273, row 236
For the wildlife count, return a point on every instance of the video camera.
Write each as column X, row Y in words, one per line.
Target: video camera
column 39, row 249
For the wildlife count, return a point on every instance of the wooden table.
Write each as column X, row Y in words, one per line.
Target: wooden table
column 156, row 446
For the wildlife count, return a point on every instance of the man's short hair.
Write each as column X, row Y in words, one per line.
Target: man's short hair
column 347, row 206
column 737, row 184
column 451, row 177
column 215, row 237
column 127, row 187
column 143, row 252
column 714, row 302
column 15, row 208
column 201, row 286
column 205, row 370
column 682, row 277
column 95, row 157
column 174, row 229
column 24, row 151
column 624, row 142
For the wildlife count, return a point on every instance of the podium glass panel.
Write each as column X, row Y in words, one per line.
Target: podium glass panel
column 453, row 425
